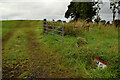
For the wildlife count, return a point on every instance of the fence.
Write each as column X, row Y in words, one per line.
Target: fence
column 51, row 29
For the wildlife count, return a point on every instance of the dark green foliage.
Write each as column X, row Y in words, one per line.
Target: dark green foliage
column 119, row 6
column 103, row 22
column 80, row 10
column 115, row 5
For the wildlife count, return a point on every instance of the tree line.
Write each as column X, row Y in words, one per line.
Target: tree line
column 88, row 10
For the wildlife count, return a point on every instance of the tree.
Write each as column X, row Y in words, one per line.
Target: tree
column 119, row 7
column 97, row 7
column 80, row 10
column 114, row 5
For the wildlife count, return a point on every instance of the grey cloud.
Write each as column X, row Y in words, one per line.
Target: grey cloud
column 35, row 0
column 36, row 10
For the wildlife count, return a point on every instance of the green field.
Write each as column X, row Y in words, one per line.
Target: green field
column 26, row 52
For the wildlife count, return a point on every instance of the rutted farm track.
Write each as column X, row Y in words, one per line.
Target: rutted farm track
column 39, row 62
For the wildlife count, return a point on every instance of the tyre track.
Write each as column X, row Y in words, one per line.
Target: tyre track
column 45, row 64
column 9, row 34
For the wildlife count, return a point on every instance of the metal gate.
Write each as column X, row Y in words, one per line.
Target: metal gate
column 51, row 29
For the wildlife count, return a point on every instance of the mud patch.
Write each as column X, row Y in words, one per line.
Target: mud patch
column 15, row 70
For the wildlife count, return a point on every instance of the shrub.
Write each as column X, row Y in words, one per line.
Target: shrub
column 75, row 28
column 69, row 29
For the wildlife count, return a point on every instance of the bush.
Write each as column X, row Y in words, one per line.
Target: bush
column 69, row 29
column 75, row 28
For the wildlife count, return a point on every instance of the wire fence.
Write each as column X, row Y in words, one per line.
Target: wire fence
column 53, row 29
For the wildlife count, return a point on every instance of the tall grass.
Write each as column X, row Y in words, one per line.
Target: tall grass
column 102, row 43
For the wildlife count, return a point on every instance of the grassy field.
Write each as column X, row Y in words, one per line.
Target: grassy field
column 28, row 53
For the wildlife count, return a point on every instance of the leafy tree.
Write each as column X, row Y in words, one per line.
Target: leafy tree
column 114, row 5
column 97, row 7
column 80, row 10
column 119, row 7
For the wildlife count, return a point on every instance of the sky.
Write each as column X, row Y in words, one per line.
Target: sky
column 40, row 9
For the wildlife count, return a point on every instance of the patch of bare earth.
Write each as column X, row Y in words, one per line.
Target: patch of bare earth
column 44, row 63
column 12, row 70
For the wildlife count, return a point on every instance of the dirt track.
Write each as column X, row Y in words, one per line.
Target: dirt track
column 45, row 63
column 42, row 62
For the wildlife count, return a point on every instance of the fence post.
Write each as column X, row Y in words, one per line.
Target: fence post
column 53, row 27
column 62, row 32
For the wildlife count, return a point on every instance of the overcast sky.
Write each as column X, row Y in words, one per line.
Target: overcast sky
column 40, row 9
